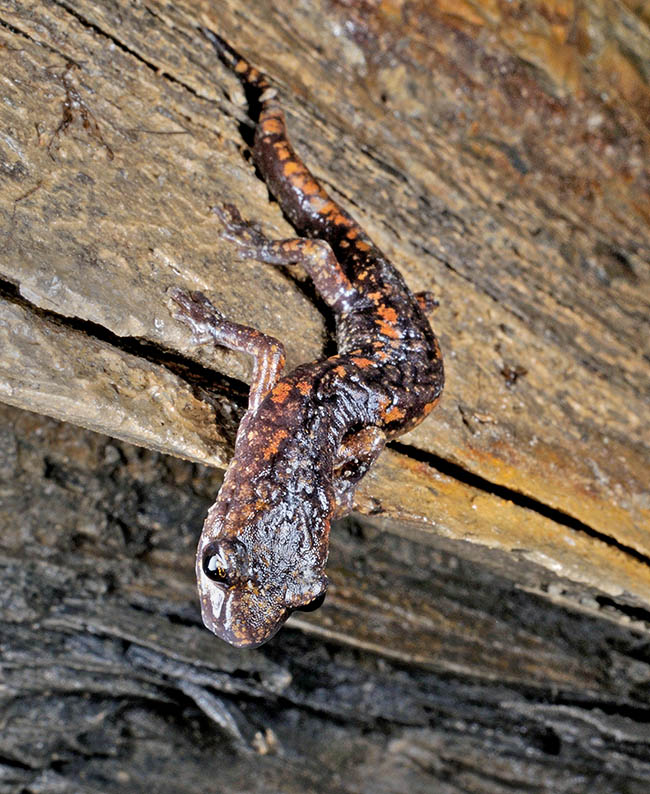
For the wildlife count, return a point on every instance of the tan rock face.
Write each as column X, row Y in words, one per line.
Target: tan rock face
column 64, row 372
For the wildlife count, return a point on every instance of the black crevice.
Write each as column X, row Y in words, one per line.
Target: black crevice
column 129, row 51
column 516, row 497
column 12, row 763
column 18, row 32
column 207, row 384
column 383, row 165
column 618, row 708
column 122, row 46
column 634, row 613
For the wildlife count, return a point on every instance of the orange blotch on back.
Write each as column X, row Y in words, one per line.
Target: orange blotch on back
column 282, row 150
column 274, row 443
column 394, row 414
column 387, row 329
column 340, row 371
column 363, row 363
column 301, row 179
column 304, row 387
column 361, row 246
column 328, row 208
column 272, row 127
column 292, row 245
column 387, row 313
column 430, row 406
column 280, row 392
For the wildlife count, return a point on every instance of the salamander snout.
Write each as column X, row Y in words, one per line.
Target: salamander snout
column 235, row 604
column 245, row 604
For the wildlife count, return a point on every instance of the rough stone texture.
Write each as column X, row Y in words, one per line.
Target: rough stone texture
column 64, row 372
column 487, row 630
column 442, row 675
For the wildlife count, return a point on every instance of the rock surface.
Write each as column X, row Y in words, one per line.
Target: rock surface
column 424, row 671
column 487, row 626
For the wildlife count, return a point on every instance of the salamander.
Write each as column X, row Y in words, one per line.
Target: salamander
column 309, row 436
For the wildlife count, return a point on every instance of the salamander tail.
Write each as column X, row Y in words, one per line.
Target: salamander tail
column 247, row 73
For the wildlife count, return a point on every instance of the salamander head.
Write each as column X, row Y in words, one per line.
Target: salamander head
column 248, row 588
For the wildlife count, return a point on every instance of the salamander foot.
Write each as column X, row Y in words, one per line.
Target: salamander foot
column 246, row 234
column 198, row 313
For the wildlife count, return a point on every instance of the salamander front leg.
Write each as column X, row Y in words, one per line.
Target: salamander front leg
column 316, row 256
column 209, row 325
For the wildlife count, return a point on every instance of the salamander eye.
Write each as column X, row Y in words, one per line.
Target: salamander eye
column 215, row 565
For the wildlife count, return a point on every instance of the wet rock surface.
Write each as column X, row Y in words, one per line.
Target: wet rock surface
column 486, row 626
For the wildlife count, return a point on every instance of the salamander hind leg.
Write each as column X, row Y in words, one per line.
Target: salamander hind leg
column 208, row 324
column 316, row 256
column 427, row 301
column 355, row 456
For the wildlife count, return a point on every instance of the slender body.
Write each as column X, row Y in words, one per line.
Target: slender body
column 309, row 436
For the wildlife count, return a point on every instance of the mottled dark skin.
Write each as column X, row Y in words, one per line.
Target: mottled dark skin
column 308, row 437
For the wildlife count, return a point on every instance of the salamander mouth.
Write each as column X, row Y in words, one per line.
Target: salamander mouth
column 242, row 619
column 314, row 604
column 239, row 625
